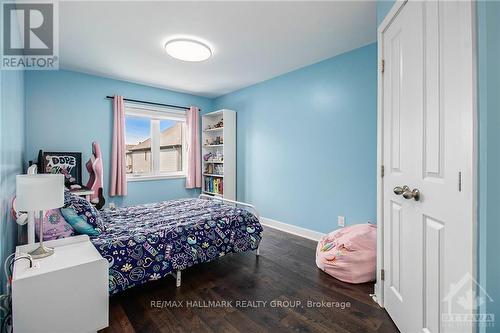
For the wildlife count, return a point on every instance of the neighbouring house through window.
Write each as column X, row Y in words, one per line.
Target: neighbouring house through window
column 155, row 142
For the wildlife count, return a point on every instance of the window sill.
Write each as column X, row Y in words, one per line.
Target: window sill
column 153, row 177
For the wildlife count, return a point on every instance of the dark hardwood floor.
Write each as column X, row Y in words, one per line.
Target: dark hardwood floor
column 284, row 275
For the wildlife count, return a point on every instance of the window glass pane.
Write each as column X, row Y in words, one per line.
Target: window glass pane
column 170, row 146
column 138, row 143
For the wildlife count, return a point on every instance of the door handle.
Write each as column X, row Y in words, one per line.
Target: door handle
column 413, row 194
column 398, row 190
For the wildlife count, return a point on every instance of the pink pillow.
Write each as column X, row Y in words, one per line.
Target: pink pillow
column 349, row 254
column 54, row 226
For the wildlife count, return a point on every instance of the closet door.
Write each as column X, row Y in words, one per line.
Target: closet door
column 427, row 156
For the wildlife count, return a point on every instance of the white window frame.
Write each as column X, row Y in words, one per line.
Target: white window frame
column 155, row 114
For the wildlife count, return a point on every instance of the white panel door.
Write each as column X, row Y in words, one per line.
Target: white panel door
column 427, row 157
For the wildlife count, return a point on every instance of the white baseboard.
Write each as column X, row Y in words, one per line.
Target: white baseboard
column 291, row 229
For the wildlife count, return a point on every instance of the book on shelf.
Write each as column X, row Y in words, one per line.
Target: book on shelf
column 214, row 185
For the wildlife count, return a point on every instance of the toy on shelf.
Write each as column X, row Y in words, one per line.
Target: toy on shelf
column 214, row 169
column 207, row 156
column 218, row 157
column 220, row 124
column 209, row 168
column 218, row 169
column 219, row 140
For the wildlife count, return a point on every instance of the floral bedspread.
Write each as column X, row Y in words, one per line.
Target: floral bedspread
column 147, row 242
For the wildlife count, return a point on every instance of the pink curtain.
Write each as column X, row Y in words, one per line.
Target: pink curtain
column 193, row 148
column 118, row 172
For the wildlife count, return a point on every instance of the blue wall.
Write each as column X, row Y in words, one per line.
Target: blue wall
column 67, row 110
column 12, row 144
column 488, row 14
column 383, row 8
column 12, row 141
column 307, row 142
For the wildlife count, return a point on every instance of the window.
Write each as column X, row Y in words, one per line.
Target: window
column 155, row 142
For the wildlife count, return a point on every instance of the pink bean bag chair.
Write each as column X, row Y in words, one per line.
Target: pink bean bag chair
column 349, row 254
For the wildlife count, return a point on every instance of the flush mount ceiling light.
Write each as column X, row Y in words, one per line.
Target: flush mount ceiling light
column 188, row 50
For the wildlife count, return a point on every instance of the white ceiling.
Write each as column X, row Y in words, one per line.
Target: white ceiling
column 251, row 41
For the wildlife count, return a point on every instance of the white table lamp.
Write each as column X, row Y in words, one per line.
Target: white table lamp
column 39, row 193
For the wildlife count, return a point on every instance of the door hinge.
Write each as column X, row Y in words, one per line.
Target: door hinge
column 382, row 65
column 460, row 181
column 382, row 274
column 382, row 171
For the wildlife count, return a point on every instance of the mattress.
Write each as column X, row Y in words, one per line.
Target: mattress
column 147, row 242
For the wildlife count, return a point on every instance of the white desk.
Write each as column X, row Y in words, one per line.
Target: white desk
column 65, row 292
column 83, row 193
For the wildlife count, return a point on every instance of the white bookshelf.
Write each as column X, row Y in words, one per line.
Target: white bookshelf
column 221, row 166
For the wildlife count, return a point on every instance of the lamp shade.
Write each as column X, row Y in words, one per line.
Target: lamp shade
column 39, row 192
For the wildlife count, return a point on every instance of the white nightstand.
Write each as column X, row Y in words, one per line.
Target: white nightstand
column 66, row 292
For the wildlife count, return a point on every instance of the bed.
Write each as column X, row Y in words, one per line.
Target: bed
column 151, row 241
column 148, row 242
